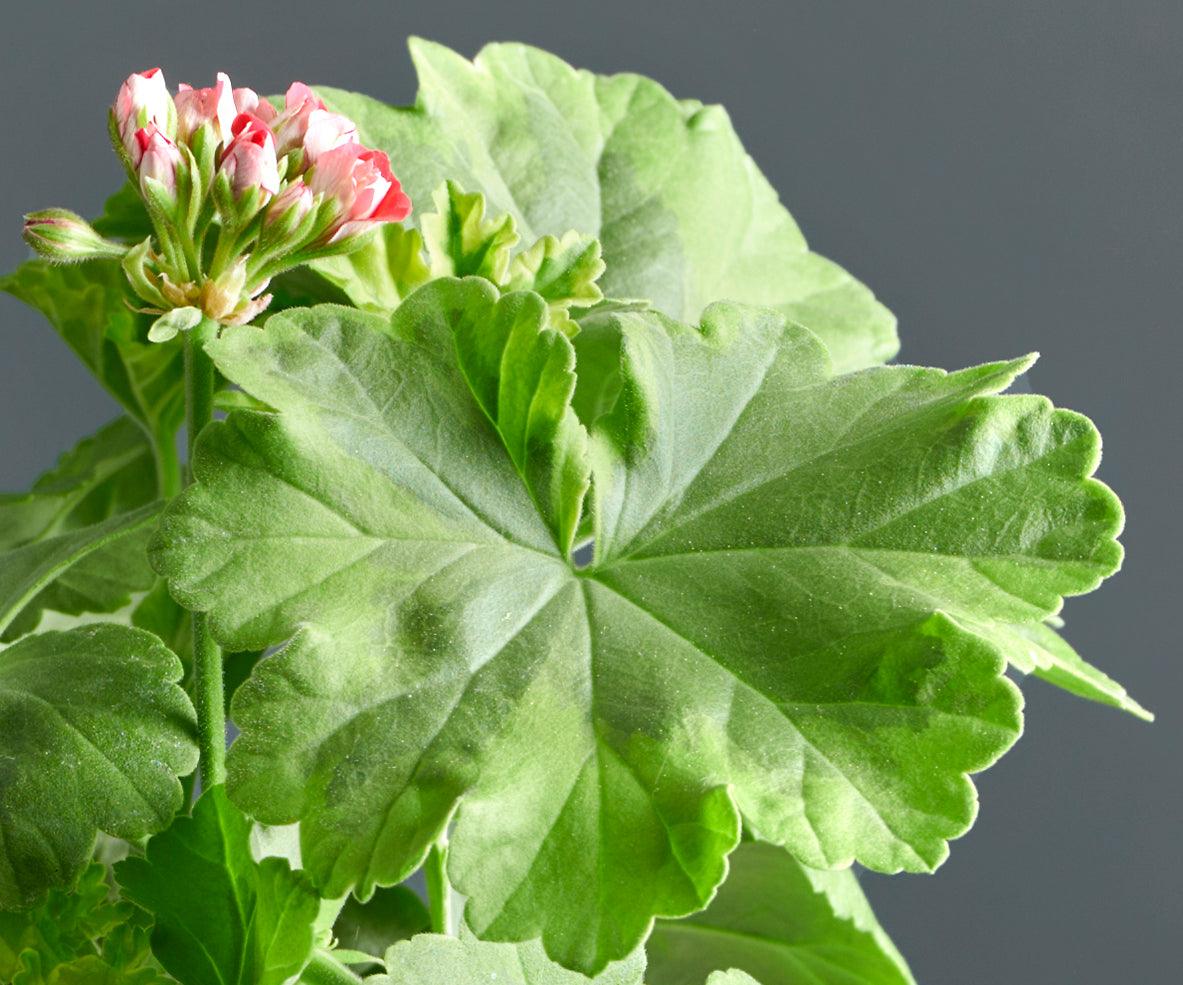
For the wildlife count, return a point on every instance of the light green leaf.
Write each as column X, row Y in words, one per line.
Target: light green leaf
column 221, row 917
column 96, row 733
column 87, row 305
column 781, row 922
column 564, row 271
column 108, row 473
column 684, row 215
column 432, row 959
column 771, row 625
column 25, row 572
column 376, row 277
column 461, row 241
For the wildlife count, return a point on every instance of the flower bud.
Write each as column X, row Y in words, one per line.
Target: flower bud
column 300, row 103
column 143, row 101
column 62, row 236
column 158, row 158
column 366, row 191
column 326, row 131
column 213, row 105
column 249, row 160
column 291, row 205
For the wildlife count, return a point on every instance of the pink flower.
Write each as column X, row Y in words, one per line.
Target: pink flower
column 361, row 181
column 214, row 105
column 306, row 124
column 249, row 158
column 324, row 132
column 157, row 157
column 143, row 101
column 248, row 101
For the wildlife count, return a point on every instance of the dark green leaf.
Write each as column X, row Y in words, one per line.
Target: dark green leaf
column 221, row 917
column 88, row 306
column 96, row 733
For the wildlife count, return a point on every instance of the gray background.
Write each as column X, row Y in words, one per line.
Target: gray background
column 1005, row 175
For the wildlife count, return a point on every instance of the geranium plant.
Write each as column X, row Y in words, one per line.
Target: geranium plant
column 550, row 523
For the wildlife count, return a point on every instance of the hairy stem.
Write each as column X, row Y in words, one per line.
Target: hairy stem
column 208, row 696
column 324, row 969
column 435, row 874
column 168, row 463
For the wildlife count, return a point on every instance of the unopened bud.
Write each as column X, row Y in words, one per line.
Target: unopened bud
column 62, row 236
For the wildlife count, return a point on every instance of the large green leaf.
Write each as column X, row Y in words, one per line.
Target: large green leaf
column 779, row 621
column 432, row 959
column 684, row 215
column 783, row 923
column 109, row 473
column 88, row 306
column 221, row 917
column 96, row 733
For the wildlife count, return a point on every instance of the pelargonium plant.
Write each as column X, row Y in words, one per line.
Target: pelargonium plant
column 566, row 538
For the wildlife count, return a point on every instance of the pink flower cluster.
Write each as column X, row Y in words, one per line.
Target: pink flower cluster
column 325, row 162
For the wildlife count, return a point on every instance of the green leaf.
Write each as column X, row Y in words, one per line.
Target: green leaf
column 221, row 917
column 782, row 923
column 432, row 959
column 96, row 734
column 87, row 305
column 124, row 216
column 26, row 572
column 684, row 215
column 108, row 473
column 376, row 277
column 778, row 622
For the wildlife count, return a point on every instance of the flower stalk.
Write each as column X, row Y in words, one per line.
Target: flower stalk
column 208, row 687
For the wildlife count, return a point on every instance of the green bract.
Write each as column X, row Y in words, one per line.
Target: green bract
column 684, row 215
column 787, row 618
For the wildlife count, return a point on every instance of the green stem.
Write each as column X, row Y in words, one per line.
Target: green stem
column 435, row 874
column 324, row 969
column 208, row 697
column 168, row 463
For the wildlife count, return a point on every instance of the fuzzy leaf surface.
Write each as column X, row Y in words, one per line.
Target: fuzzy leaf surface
column 778, row 621
column 96, row 733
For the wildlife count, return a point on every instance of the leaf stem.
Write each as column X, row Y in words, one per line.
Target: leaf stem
column 435, row 874
column 208, row 697
column 324, row 969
